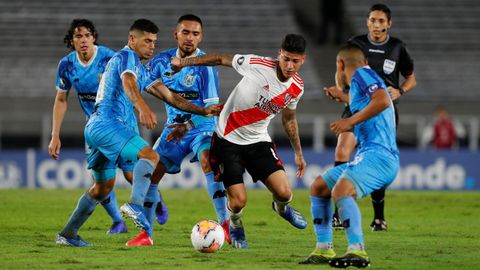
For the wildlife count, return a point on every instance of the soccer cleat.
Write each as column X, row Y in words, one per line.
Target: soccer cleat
column 319, row 256
column 142, row 239
column 161, row 213
column 337, row 224
column 72, row 242
column 135, row 212
column 379, row 225
column 293, row 216
column 356, row 258
column 118, row 227
column 237, row 236
column 226, row 231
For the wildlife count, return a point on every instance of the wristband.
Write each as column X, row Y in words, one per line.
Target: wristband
column 401, row 91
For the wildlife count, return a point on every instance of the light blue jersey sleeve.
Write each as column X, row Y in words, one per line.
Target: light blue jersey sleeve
column 368, row 84
column 63, row 82
column 128, row 63
column 154, row 70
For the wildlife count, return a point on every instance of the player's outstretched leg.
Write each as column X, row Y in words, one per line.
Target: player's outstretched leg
column 356, row 258
column 69, row 234
column 111, row 206
column 237, row 233
column 378, row 203
column 218, row 195
column 291, row 215
column 145, row 238
column 161, row 211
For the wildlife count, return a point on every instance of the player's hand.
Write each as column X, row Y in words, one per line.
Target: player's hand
column 301, row 164
column 213, row 110
column 394, row 92
column 54, row 148
column 176, row 65
column 341, row 125
column 147, row 118
column 179, row 131
column 334, row 93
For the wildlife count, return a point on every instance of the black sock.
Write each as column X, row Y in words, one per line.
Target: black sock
column 378, row 202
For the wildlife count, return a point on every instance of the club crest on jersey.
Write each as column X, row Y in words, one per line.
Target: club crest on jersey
column 189, row 80
column 288, row 97
column 388, row 66
column 266, row 88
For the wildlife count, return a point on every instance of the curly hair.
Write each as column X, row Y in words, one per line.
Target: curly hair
column 74, row 25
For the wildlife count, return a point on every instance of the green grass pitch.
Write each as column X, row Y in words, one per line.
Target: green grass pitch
column 427, row 230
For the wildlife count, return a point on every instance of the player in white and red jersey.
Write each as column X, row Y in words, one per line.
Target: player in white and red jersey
column 241, row 141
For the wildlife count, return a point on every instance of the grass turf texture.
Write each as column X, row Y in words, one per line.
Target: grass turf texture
column 427, row 230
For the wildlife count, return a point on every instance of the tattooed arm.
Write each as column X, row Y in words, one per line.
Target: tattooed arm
column 211, row 59
column 146, row 116
column 289, row 121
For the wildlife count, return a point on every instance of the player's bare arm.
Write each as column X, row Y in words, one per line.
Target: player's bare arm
column 379, row 102
column 146, row 116
column 59, row 109
column 211, row 59
column 290, row 124
column 160, row 91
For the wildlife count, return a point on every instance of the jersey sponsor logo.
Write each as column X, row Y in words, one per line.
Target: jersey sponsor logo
column 189, row 95
column 267, row 106
column 388, row 66
column 372, row 88
column 87, row 96
column 189, row 80
column 240, row 60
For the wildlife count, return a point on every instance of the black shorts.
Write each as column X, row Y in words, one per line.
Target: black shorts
column 229, row 161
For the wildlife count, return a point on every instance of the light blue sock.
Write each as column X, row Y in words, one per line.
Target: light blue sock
column 111, row 206
column 141, row 180
column 84, row 209
column 218, row 195
column 151, row 200
column 322, row 213
column 351, row 219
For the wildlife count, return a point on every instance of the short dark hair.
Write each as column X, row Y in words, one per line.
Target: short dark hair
column 351, row 47
column 294, row 43
column 74, row 25
column 144, row 25
column 383, row 8
column 190, row 17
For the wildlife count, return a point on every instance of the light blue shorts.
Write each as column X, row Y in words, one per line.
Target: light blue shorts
column 172, row 154
column 106, row 140
column 369, row 171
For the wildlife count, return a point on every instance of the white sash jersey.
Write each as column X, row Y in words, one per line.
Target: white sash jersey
column 256, row 99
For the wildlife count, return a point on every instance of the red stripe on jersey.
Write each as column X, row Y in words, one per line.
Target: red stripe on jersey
column 298, row 79
column 243, row 118
column 249, row 116
column 271, row 65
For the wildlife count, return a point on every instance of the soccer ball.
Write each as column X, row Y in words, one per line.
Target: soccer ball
column 207, row 236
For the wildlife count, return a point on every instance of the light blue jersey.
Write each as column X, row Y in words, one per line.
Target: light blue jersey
column 84, row 78
column 376, row 162
column 378, row 131
column 197, row 84
column 113, row 124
